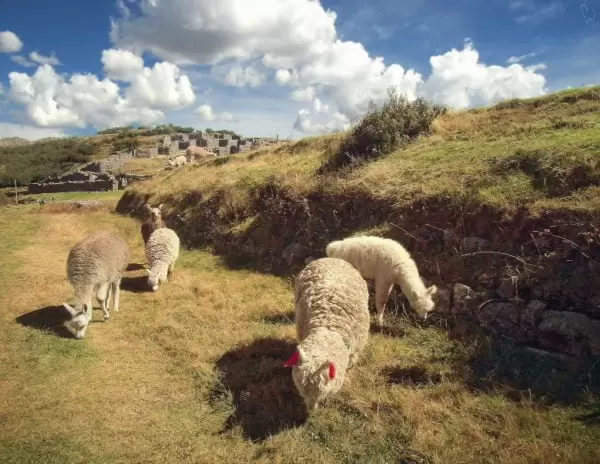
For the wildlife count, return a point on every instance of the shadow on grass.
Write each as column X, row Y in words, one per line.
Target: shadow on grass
column 591, row 418
column 135, row 284
column 412, row 376
column 135, row 267
column 496, row 365
column 49, row 319
column 278, row 318
column 265, row 399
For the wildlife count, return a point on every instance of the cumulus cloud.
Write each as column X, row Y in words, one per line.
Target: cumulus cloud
column 207, row 113
column 10, row 42
column 22, row 61
column 520, row 58
column 78, row 100
column 41, row 59
column 298, row 41
column 458, row 79
column 9, row 129
column 121, row 64
column 239, row 76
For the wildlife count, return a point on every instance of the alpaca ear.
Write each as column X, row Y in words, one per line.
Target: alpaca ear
column 332, row 371
column 160, row 206
column 432, row 290
column 69, row 308
column 328, row 371
column 293, row 360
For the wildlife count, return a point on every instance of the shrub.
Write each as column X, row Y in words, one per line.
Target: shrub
column 383, row 130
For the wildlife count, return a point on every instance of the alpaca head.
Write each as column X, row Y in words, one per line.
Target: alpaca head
column 155, row 213
column 423, row 303
column 155, row 278
column 314, row 379
column 79, row 320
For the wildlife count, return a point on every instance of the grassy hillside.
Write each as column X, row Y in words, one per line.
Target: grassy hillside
column 193, row 373
column 486, row 197
column 519, row 159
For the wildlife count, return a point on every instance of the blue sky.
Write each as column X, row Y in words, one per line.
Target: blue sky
column 560, row 39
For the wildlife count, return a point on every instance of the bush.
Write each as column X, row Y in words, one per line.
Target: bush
column 383, row 130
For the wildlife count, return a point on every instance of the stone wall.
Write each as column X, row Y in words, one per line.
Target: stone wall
column 151, row 152
column 112, row 163
column 73, row 186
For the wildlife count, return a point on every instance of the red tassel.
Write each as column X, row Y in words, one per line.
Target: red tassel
column 293, row 360
column 331, row 371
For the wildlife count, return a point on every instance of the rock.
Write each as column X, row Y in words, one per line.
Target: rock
column 531, row 314
column 470, row 244
column 442, row 300
column 293, row 253
column 449, row 235
column 508, row 288
column 464, row 299
column 502, row 318
column 569, row 332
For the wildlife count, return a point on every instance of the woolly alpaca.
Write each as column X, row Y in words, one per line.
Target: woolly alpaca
column 332, row 326
column 162, row 250
column 153, row 222
column 180, row 160
column 95, row 264
column 387, row 263
column 196, row 152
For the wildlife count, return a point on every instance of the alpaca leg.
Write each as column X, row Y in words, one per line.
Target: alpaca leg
column 116, row 287
column 383, row 288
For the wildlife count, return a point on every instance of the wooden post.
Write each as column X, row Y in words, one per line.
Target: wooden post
column 16, row 193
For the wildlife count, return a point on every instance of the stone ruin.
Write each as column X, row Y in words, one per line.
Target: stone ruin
column 85, row 181
column 99, row 175
column 219, row 143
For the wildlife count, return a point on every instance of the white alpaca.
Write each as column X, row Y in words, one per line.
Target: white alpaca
column 387, row 263
column 162, row 250
column 95, row 265
column 178, row 161
column 332, row 326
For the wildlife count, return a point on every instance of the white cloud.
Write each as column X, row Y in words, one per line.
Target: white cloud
column 207, row 113
column 459, row 80
column 298, row 40
column 10, row 42
column 163, row 86
column 9, row 129
column 518, row 59
column 41, row 59
column 78, row 100
column 306, row 94
column 22, row 61
column 306, row 122
column 534, row 12
column 121, row 64
column 239, row 76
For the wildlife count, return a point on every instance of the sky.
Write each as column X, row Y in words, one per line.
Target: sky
column 290, row 68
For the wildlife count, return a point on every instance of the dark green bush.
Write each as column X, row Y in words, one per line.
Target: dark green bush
column 385, row 129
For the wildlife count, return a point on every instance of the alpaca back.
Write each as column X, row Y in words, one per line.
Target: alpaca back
column 368, row 254
column 331, row 294
column 100, row 257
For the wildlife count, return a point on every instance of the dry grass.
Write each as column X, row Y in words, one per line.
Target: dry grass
column 144, row 166
column 193, row 373
column 471, row 156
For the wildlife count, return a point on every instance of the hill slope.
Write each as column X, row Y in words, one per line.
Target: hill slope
column 518, row 184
